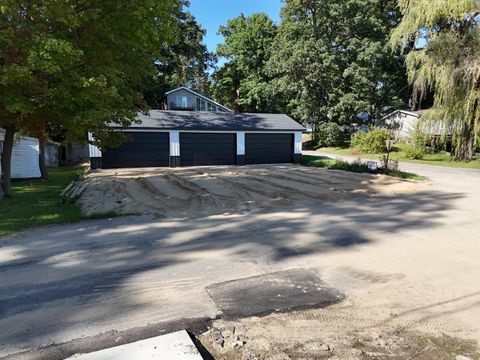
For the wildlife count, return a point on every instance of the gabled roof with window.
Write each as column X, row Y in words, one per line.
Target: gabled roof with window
column 199, row 95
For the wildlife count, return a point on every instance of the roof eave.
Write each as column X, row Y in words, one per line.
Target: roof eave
column 180, row 128
column 400, row 111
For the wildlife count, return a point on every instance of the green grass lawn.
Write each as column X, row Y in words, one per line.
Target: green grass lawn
column 37, row 202
column 333, row 164
column 398, row 153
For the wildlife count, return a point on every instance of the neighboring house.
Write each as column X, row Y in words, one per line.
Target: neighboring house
column 25, row 157
column 190, row 138
column 401, row 122
column 51, row 154
column 189, row 100
column 309, row 127
column 73, row 153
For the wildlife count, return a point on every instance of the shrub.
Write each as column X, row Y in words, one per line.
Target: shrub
column 371, row 142
column 415, row 152
column 375, row 141
column 330, row 134
column 357, row 139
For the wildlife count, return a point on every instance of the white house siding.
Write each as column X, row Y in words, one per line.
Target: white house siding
column 240, row 143
column 174, row 137
column 194, row 101
column 298, row 143
column 172, row 99
column 93, row 151
column 25, row 156
column 400, row 123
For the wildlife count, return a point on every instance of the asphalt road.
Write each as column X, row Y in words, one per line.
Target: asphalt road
column 134, row 277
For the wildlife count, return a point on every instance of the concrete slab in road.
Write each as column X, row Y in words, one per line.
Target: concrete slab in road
column 174, row 346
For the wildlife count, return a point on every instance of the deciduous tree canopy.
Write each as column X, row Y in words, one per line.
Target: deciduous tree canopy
column 325, row 61
column 76, row 66
column 247, row 48
column 184, row 62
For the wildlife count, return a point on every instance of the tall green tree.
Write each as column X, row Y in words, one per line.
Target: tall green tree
column 331, row 60
column 184, row 62
column 76, row 65
column 242, row 82
column 448, row 64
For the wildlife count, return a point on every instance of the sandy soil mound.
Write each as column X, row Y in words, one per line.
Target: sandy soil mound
column 187, row 192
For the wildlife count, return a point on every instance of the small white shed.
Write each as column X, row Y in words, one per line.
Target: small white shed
column 401, row 122
column 24, row 157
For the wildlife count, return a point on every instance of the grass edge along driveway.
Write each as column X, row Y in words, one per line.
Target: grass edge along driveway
column 36, row 202
column 398, row 153
column 359, row 167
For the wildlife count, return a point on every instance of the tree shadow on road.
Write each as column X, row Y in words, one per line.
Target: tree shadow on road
column 57, row 278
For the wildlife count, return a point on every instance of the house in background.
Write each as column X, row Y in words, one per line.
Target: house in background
column 25, row 154
column 51, row 154
column 73, row 153
column 185, row 99
column 401, row 122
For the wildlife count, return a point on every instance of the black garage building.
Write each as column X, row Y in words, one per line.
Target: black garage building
column 192, row 138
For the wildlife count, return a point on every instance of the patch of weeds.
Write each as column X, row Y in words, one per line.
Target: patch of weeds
column 357, row 167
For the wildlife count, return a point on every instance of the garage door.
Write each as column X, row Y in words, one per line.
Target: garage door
column 139, row 150
column 268, row 148
column 207, row 149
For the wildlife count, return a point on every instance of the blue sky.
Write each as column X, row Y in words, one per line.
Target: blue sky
column 213, row 13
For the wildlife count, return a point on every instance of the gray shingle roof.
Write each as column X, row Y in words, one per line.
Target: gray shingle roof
column 203, row 120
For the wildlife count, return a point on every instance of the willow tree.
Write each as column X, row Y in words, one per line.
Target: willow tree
column 447, row 64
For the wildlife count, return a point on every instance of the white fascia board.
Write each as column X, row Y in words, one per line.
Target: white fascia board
column 400, row 111
column 212, row 131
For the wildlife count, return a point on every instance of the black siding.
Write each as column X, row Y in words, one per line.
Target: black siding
column 141, row 149
column 207, row 149
column 268, row 148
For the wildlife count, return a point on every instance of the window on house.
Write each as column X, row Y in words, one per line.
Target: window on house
column 182, row 101
column 211, row 107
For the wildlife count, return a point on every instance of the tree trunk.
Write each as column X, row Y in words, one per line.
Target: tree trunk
column 5, row 178
column 465, row 150
column 41, row 159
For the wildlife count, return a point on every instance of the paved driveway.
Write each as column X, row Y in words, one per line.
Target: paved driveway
column 412, row 254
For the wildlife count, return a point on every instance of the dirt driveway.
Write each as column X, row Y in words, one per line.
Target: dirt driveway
column 193, row 192
column 399, row 262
